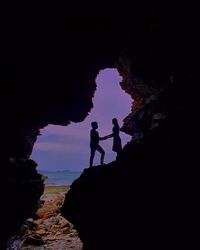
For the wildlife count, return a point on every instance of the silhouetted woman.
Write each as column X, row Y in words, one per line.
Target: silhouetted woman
column 117, row 145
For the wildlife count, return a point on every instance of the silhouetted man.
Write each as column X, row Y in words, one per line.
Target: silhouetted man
column 94, row 144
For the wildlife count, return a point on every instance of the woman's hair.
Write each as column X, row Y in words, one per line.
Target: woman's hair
column 114, row 120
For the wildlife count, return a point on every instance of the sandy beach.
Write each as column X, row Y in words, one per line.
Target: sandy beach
column 49, row 230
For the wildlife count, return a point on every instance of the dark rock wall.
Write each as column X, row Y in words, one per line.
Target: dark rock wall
column 21, row 187
column 50, row 56
column 143, row 198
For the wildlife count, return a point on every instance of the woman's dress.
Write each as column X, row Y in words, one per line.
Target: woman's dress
column 117, row 145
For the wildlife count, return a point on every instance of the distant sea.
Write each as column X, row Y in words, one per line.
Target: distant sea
column 59, row 178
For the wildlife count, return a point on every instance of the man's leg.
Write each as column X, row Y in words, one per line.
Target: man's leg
column 102, row 152
column 92, row 156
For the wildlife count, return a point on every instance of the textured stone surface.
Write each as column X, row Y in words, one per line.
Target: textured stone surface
column 52, row 231
column 48, row 72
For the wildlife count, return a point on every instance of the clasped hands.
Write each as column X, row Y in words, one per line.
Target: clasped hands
column 106, row 137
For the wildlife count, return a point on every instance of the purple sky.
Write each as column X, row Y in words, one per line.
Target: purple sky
column 61, row 148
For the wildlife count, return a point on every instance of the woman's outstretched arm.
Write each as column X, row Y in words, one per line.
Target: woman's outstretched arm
column 106, row 137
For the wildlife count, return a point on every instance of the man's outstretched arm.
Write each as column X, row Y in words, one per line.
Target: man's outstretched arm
column 106, row 137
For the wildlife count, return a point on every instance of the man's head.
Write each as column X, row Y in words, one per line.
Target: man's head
column 94, row 125
column 114, row 121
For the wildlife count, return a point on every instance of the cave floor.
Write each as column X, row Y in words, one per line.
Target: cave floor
column 54, row 231
column 60, row 242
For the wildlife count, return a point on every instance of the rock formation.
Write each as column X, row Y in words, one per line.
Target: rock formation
column 50, row 58
column 138, row 201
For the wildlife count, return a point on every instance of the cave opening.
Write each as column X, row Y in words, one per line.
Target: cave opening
column 62, row 152
column 65, row 149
